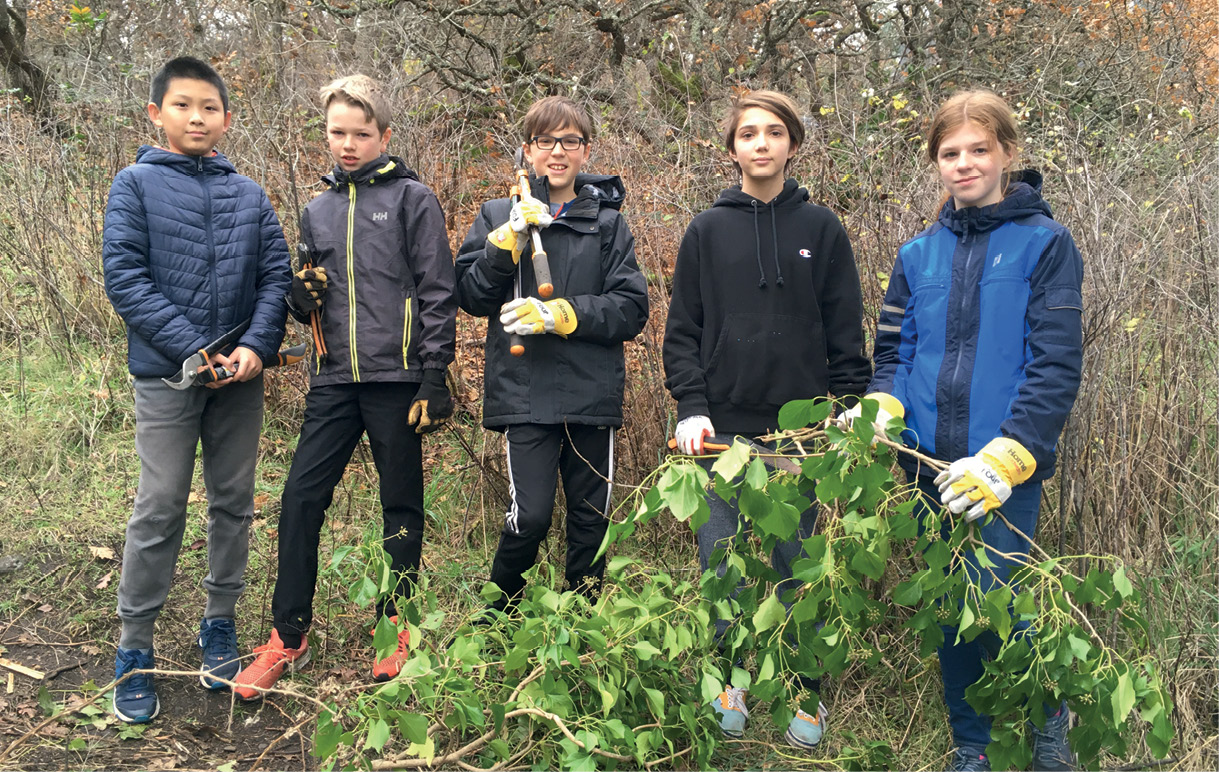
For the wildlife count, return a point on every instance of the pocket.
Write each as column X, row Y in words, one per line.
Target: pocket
column 1064, row 298
column 155, row 402
column 767, row 359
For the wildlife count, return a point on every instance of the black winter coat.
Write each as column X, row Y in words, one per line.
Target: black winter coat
column 389, row 309
column 578, row 379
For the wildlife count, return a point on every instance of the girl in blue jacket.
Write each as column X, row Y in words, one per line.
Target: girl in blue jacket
column 978, row 348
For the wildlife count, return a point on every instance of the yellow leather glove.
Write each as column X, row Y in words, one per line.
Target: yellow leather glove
column 433, row 404
column 510, row 237
column 888, row 408
column 530, row 316
column 980, row 483
column 309, row 289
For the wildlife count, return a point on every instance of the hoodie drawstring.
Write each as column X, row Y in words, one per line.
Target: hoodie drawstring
column 774, row 235
column 757, row 247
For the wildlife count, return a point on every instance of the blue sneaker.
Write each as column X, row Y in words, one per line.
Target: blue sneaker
column 218, row 640
column 1051, row 751
column 135, row 699
column 806, row 731
column 730, row 707
column 969, row 760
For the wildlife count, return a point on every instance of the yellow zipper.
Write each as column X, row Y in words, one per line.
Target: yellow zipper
column 406, row 334
column 351, row 281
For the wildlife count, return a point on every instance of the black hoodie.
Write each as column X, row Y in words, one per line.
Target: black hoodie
column 766, row 308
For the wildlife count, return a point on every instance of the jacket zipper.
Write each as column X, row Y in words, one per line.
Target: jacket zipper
column 406, row 335
column 960, row 336
column 351, row 280
column 211, row 247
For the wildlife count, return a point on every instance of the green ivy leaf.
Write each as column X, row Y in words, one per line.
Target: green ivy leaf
column 378, row 735
column 1121, row 583
column 732, row 461
column 770, row 613
column 1123, row 698
column 682, row 489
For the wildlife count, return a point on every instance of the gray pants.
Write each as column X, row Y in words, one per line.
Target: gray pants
column 169, row 426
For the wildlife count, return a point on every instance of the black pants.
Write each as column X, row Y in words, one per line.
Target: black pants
column 335, row 418
column 537, row 453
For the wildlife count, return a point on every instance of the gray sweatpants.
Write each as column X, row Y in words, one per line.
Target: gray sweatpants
column 169, row 426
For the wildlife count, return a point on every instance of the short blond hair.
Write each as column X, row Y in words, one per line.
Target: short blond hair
column 363, row 92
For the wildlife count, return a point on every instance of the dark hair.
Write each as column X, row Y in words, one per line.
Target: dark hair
column 773, row 102
column 555, row 112
column 190, row 68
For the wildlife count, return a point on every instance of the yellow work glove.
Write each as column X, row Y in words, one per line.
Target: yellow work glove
column 510, row 237
column 980, row 483
column 889, row 407
column 530, row 316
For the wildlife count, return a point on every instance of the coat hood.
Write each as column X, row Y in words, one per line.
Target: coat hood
column 385, row 167
column 593, row 191
column 215, row 163
column 790, row 197
column 1022, row 200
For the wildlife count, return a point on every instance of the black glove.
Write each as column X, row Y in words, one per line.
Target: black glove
column 433, row 404
column 308, row 289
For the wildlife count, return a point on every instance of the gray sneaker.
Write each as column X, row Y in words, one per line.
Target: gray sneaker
column 969, row 760
column 1051, row 751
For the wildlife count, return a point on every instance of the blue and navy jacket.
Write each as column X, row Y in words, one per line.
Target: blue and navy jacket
column 980, row 334
column 190, row 249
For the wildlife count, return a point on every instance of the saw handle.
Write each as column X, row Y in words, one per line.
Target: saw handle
column 717, row 447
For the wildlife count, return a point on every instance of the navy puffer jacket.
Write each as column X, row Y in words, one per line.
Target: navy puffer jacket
column 190, row 249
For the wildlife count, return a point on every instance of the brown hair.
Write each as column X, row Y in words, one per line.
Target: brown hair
column 363, row 92
column 772, row 101
column 555, row 112
column 984, row 109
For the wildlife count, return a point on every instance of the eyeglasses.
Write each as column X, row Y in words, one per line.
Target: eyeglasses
column 570, row 144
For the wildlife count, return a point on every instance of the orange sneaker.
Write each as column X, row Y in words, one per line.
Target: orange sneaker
column 386, row 669
column 273, row 660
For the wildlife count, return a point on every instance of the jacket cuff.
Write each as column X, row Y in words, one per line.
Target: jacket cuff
column 692, row 404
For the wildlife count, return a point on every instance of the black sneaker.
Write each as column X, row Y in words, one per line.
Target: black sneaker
column 218, row 640
column 1051, row 751
column 969, row 760
column 135, row 699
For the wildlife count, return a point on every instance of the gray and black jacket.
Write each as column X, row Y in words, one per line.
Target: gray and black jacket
column 389, row 310
column 578, row 379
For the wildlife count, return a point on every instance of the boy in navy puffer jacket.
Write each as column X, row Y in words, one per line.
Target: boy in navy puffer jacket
column 190, row 250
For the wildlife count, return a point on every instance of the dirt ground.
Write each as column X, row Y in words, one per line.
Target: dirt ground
column 196, row 729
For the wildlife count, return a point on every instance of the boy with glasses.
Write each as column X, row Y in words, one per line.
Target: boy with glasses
column 559, row 403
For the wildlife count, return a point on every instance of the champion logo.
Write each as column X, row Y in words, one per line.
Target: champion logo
column 806, row 254
column 998, row 257
column 379, row 216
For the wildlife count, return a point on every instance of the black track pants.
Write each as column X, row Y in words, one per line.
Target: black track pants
column 537, row 454
column 335, row 417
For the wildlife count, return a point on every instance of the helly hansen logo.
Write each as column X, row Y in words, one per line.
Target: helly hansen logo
column 998, row 257
column 380, row 216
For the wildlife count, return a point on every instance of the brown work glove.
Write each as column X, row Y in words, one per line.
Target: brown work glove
column 308, row 289
column 433, row 404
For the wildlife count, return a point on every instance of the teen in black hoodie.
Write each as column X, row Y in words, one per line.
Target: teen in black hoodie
column 766, row 308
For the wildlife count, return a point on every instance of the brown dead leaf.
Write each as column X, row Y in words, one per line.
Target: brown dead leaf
column 261, row 500
column 197, row 544
column 195, row 498
column 46, row 608
column 101, row 553
column 91, row 649
column 102, row 394
column 105, row 581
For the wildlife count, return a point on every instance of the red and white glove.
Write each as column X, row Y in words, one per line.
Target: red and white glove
column 977, row 484
column 691, row 432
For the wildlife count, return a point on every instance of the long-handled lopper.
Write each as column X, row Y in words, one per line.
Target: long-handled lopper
column 305, row 259
column 714, row 445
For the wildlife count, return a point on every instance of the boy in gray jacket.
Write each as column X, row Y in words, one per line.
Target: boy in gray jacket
column 383, row 286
